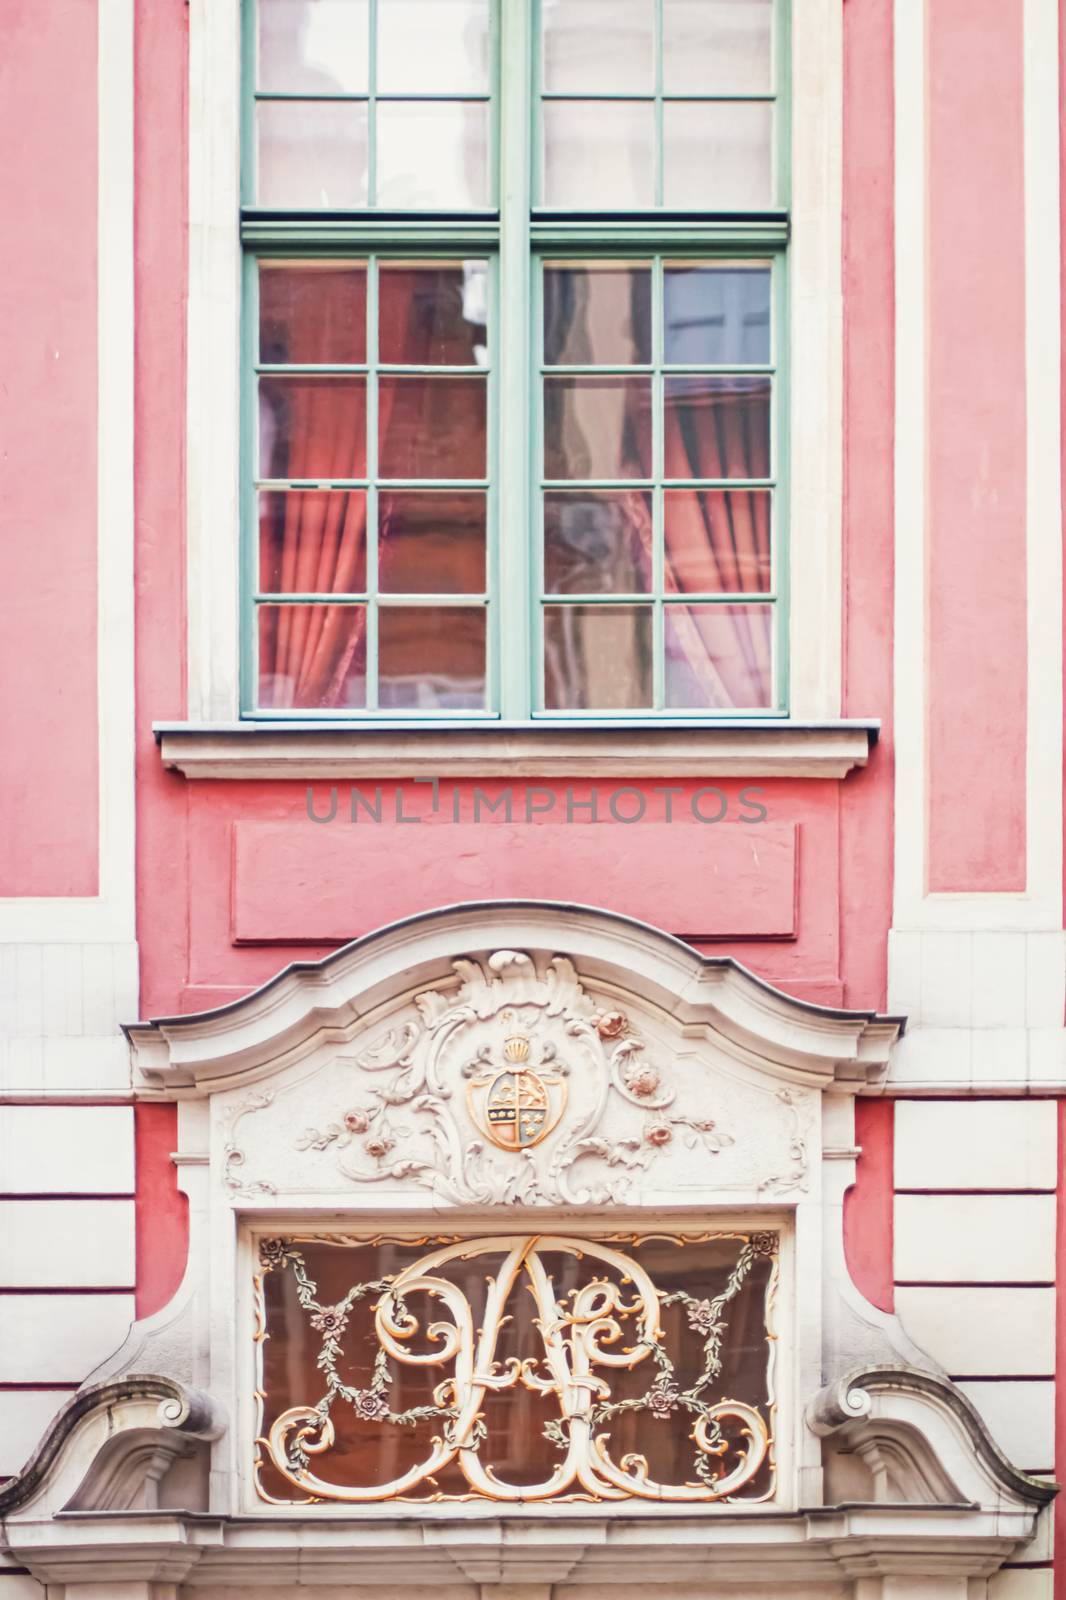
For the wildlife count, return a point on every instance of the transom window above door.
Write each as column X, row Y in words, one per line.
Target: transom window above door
column 515, row 297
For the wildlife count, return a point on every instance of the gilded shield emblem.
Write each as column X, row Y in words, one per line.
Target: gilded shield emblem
column 517, row 1105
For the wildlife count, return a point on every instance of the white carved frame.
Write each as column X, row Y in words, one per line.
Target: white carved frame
column 311, row 1012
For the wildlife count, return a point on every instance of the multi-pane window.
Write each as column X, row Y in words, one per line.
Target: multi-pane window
column 515, row 440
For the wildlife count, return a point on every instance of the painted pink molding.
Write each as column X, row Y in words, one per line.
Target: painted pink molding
column 48, row 713
column 316, row 884
column 976, row 603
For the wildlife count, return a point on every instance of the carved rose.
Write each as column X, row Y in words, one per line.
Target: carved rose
column 662, row 1398
column 659, row 1133
column 331, row 1320
column 764, row 1244
column 612, row 1024
column 356, row 1121
column 379, row 1146
column 701, row 1318
column 641, row 1080
column 371, row 1405
column 272, row 1252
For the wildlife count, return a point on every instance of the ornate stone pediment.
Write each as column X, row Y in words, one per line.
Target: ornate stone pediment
column 514, row 1083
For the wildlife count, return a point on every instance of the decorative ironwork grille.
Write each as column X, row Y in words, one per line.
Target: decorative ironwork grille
column 516, row 1367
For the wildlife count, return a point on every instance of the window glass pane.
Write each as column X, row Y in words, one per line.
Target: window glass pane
column 598, row 45
column 717, row 154
column 431, row 427
column 599, row 155
column 312, row 541
column 312, row 657
column 432, row 156
column 716, row 316
column 313, row 46
column 433, row 46
column 311, row 153
column 597, row 427
column 312, row 314
column 718, row 46
column 597, row 315
column 431, row 658
column 312, row 428
column 718, row 657
column 597, row 542
column 717, row 540
column 433, row 313
column 597, row 658
column 431, row 542
column 717, row 427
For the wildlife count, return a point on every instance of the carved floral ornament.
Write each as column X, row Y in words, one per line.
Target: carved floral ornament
column 515, row 1086
column 516, row 1367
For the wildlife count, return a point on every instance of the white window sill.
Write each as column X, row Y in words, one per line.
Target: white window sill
column 742, row 748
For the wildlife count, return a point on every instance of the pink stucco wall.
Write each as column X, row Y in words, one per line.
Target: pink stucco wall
column 48, row 374
column 976, row 447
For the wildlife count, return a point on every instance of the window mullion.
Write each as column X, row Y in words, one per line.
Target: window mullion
column 512, row 566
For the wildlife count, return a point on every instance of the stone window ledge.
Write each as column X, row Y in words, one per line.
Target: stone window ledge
column 742, row 748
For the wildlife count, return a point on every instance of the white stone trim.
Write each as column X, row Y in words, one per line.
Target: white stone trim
column 816, row 372
column 266, row 750
column 108, row 917
column 816, row 369
column 213, row 400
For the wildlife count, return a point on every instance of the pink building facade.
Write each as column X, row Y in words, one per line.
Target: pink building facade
column 700, row 985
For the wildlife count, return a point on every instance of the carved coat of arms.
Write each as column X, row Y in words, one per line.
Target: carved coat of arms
column 516, row 1105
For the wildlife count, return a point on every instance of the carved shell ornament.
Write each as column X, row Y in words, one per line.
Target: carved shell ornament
column 498, row 1093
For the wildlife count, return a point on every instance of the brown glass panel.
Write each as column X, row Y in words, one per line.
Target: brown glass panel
column 312, row 315
column 431, row 427
column 719, row 657
column 433, row 313
column 597, row 428
column 597, row 658
column 312, row 657
column 431, row 542
column 717, row 427
column 431, row 658
column 597, row 542
column 387, row 1425
column 717, row 540
column 312, row 428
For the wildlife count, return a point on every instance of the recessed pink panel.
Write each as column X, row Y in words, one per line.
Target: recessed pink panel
column 300, row 882
column 48, row 403
column 976, row 603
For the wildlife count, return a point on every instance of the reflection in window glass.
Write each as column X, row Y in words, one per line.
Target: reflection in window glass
column 431, row 658
column 719, row 658
column 718, row 46
column 597, row 658
column 702, row 527
column 599, row 154
column 312, row 153
column 428, row 46
column 314, row 46
column 718, row 155
column 598, row 46
column 433, row 156
column 597, row 315
column 371, row 541
column 716, row 316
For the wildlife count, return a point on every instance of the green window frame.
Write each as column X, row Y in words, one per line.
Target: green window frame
column 517, row 235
